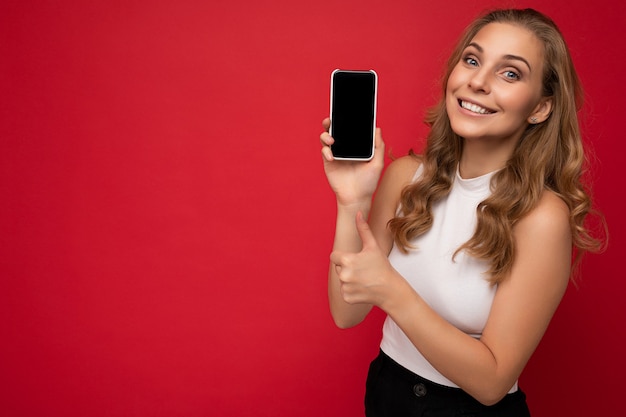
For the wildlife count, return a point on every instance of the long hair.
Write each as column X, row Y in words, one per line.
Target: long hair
column 548, row 156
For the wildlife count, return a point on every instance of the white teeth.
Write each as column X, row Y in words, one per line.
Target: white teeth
column 474, row 108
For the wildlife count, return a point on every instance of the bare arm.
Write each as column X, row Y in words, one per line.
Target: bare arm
column 354, row 184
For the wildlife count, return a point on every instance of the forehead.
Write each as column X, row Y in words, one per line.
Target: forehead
column 502, row 39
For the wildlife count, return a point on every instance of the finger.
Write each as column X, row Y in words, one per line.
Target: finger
column 327, row 154
column 378, row 138
column 326, row 139
column 367, row 237
column 379, row 144
column 337, row 258
column 326, row 124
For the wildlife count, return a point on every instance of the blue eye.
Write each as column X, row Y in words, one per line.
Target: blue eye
column 471, row 61
column 511, row 75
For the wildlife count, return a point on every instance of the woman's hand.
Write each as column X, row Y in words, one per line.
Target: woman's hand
column 353, row 182
column 367, row 277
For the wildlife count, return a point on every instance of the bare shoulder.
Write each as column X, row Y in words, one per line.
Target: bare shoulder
column 402, row 170
column 398, row 175
column 407, row 163
column 550, row 218
column 543, row 241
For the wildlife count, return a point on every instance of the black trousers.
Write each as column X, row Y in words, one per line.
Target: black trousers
column 394, row 391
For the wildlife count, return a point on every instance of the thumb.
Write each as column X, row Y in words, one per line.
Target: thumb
column 367, row 237
column 379, row 144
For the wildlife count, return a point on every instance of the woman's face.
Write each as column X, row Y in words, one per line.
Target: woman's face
column 496, row 87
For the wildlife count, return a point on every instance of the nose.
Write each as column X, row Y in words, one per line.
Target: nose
column 479, row 81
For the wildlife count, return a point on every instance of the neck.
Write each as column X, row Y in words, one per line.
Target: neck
column 482, row 156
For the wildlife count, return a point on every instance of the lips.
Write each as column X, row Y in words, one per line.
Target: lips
column 475, row 108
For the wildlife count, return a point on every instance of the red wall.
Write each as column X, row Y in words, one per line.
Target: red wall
column 165, row 224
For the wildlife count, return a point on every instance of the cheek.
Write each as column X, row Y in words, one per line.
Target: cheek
column 450, row 101
column 451, row 86
column 453, row 80
column 519, row 101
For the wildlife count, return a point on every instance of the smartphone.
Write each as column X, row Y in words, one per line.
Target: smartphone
column 353, row 114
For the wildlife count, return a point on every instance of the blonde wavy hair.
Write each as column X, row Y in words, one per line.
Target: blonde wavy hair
column 549, row 156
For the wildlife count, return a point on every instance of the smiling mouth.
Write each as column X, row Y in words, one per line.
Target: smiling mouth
column 474, row 108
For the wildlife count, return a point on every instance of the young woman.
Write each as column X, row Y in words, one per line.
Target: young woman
column 468, row 248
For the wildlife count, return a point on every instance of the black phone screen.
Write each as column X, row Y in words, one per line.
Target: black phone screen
column 353, row 114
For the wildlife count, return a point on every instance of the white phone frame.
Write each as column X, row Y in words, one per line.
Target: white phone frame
column 332, row 77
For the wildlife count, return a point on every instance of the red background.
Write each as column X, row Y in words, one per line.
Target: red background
column 165, row 224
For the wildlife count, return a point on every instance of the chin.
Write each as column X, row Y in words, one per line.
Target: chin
column 467, row 132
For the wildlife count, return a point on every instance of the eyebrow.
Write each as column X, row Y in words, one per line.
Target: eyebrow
column 506, row 57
